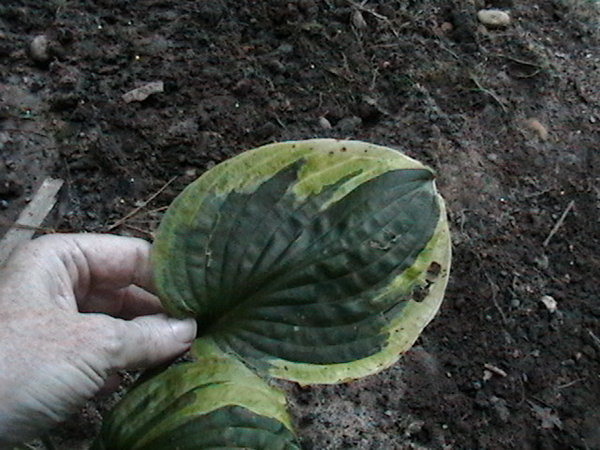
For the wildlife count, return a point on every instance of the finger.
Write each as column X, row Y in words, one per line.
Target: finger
column 144, row 341
column 92, row 262
column 112, row 261
column 125, row 303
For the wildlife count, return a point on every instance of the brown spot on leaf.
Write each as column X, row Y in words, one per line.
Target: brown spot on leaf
column 419, row 292
column 433, row 271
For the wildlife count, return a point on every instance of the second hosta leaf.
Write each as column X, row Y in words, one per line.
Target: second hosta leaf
column 212, row 402
column 316, row 261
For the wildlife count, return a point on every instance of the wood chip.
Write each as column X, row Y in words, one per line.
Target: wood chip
column 31, row 217
column 143, row 92
column 547, row 416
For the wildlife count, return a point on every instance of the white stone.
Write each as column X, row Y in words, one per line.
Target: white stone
column 38, row 49
column 493, row 17
column 549, row 302
column 325, row 124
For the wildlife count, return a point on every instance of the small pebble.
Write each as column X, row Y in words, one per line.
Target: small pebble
column 3, row 204
column 536, row 126
column 191, row 172
column 324, row 123
column 446, row 27
column 358, row 20
column 38, row 49
column 549, row 302
column 493, row 17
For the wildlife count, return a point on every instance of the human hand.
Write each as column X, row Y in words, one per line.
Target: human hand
column 74, row 309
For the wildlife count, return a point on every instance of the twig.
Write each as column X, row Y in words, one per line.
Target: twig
column 140, row 207
column 496, row 370
column 489, row 92
column 444, row 47
column 559, row 222
column 571, row 383
column 155, row 210
column 493, row 286
column 278, row 120
column 595, row 338
column 374, row 79
column 529, row 75
column 520, row 61
column 362, row 7
column 139, row 230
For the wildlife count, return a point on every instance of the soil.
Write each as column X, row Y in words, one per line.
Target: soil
column 509, row 117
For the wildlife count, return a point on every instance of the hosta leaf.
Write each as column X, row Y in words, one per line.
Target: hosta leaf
column 315, row 261
column 213, row 402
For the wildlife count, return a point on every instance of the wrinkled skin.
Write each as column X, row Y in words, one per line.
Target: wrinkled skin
column 73, row 310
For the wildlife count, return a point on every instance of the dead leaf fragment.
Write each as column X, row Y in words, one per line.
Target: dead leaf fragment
column 143, row 92
column 548, row 418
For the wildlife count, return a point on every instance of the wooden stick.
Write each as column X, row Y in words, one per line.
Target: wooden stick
column 495, row 369
column 122, row 220
column 8, row 225
column 31, row 217
column 559, row 222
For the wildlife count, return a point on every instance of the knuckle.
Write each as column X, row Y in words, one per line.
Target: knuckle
column 108, row 339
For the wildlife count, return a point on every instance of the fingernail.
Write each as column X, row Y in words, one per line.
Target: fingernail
column 184, row 330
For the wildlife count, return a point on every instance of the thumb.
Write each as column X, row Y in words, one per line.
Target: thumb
column 150, row 340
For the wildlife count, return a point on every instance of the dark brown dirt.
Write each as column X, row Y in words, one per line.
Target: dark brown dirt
column 424, row 77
